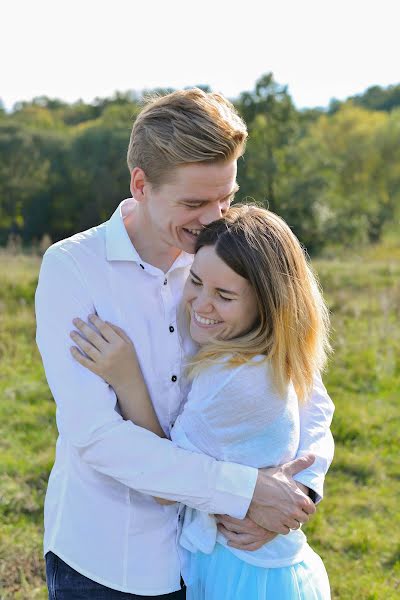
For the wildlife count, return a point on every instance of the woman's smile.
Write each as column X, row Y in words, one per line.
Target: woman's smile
column 204, row 321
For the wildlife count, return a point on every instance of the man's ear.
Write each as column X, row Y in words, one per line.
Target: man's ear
column 138, row 181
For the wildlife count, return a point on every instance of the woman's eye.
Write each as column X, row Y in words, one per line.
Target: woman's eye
column 227, row 299
column 194, row 282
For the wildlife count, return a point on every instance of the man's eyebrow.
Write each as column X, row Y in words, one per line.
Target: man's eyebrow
column 193, row 274
column 195, row 200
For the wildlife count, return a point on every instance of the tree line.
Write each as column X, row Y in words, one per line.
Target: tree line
column 333, row 173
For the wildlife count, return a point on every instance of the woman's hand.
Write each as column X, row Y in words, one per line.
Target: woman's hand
column 112, row 356
column 110, row 352
column 243, row 534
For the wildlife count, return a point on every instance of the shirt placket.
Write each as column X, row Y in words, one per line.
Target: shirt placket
column 173, row 361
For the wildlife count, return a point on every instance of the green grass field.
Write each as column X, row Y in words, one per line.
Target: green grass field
column 356, row 529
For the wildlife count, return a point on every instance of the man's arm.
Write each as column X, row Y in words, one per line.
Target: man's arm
column 88, row 419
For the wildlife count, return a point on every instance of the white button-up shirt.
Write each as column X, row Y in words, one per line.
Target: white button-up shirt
column 100, row 516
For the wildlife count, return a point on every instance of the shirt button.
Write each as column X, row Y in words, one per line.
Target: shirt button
column 165, row 281
column 174, row 378
column 171, row 329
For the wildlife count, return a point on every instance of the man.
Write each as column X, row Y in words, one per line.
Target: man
column 105, row 536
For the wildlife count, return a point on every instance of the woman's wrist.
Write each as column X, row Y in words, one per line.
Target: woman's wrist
column 124, row 389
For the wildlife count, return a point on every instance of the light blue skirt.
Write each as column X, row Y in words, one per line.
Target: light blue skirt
column 223, row 576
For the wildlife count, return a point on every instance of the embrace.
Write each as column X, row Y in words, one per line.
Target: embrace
column 183, row 342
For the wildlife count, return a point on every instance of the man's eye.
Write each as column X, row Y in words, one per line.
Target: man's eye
column 229, row 200
column 224, row 298
column 193, row 205
column 194, row 282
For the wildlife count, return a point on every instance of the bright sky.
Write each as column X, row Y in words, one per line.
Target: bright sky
column 73, row 49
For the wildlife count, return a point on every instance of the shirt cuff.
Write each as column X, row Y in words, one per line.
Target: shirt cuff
column 312, row 481
column 234, row 489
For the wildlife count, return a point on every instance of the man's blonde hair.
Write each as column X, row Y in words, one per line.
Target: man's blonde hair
column 293, row 321
column 186, row 126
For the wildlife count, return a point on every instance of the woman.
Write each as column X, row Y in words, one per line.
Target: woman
column 257, row 314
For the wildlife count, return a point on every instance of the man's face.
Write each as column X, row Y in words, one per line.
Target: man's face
column 196, row 195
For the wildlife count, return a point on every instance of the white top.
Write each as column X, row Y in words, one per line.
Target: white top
column 99, row 516
column 236, row 414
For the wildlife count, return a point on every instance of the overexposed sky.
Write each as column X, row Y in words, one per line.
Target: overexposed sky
column 73, row 49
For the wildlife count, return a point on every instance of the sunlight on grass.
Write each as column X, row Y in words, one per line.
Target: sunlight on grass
column 355, row 526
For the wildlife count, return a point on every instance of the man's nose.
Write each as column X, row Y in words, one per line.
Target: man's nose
column 214, row 211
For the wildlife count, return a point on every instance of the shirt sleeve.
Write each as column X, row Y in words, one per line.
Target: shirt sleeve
column 236, row 413
column 316, row 437
column 87, row 417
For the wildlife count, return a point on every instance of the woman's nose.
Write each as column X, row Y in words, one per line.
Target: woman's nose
column 202, row 304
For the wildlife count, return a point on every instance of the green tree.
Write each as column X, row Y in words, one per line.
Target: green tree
column 99, row 176
column 23, row 173
column 340, row 154
column 385, row 176
column 272, row 121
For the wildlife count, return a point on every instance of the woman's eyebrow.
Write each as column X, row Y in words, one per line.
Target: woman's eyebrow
column 218, row 289
column 227, row 292
column 194, row 275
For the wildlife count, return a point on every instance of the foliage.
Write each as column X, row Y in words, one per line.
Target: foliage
column 378, row 98
column 23, row 173
column 334, row 175
column 342, row 177
column 272, row 120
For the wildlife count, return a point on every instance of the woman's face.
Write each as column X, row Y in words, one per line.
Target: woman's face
column 222, row 304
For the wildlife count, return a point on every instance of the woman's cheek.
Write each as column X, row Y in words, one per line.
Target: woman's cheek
column 186, row 296
column 225, row 311
column 233, row 321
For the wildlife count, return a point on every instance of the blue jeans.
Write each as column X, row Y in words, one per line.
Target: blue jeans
column 64, row 583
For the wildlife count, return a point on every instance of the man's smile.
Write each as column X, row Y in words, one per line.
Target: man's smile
column 195, row 232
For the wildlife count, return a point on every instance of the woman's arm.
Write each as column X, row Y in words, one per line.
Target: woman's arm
column 316, row 437
column 112, row 356
column 135, row 404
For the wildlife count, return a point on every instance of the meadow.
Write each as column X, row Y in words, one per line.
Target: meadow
column 356, row 529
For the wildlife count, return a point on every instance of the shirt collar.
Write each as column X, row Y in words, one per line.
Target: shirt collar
column 120, row 247
column 118, row 243
column 184, row 259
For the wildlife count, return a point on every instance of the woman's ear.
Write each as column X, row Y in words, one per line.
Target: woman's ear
column 138, row 181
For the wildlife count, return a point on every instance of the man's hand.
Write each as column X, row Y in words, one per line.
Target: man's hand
column 303, row 488
column 278, row 504
column 243, row 534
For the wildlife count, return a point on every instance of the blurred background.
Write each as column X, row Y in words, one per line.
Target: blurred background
column 318, row 85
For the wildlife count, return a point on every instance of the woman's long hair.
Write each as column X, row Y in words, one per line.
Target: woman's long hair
column 293, row 321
